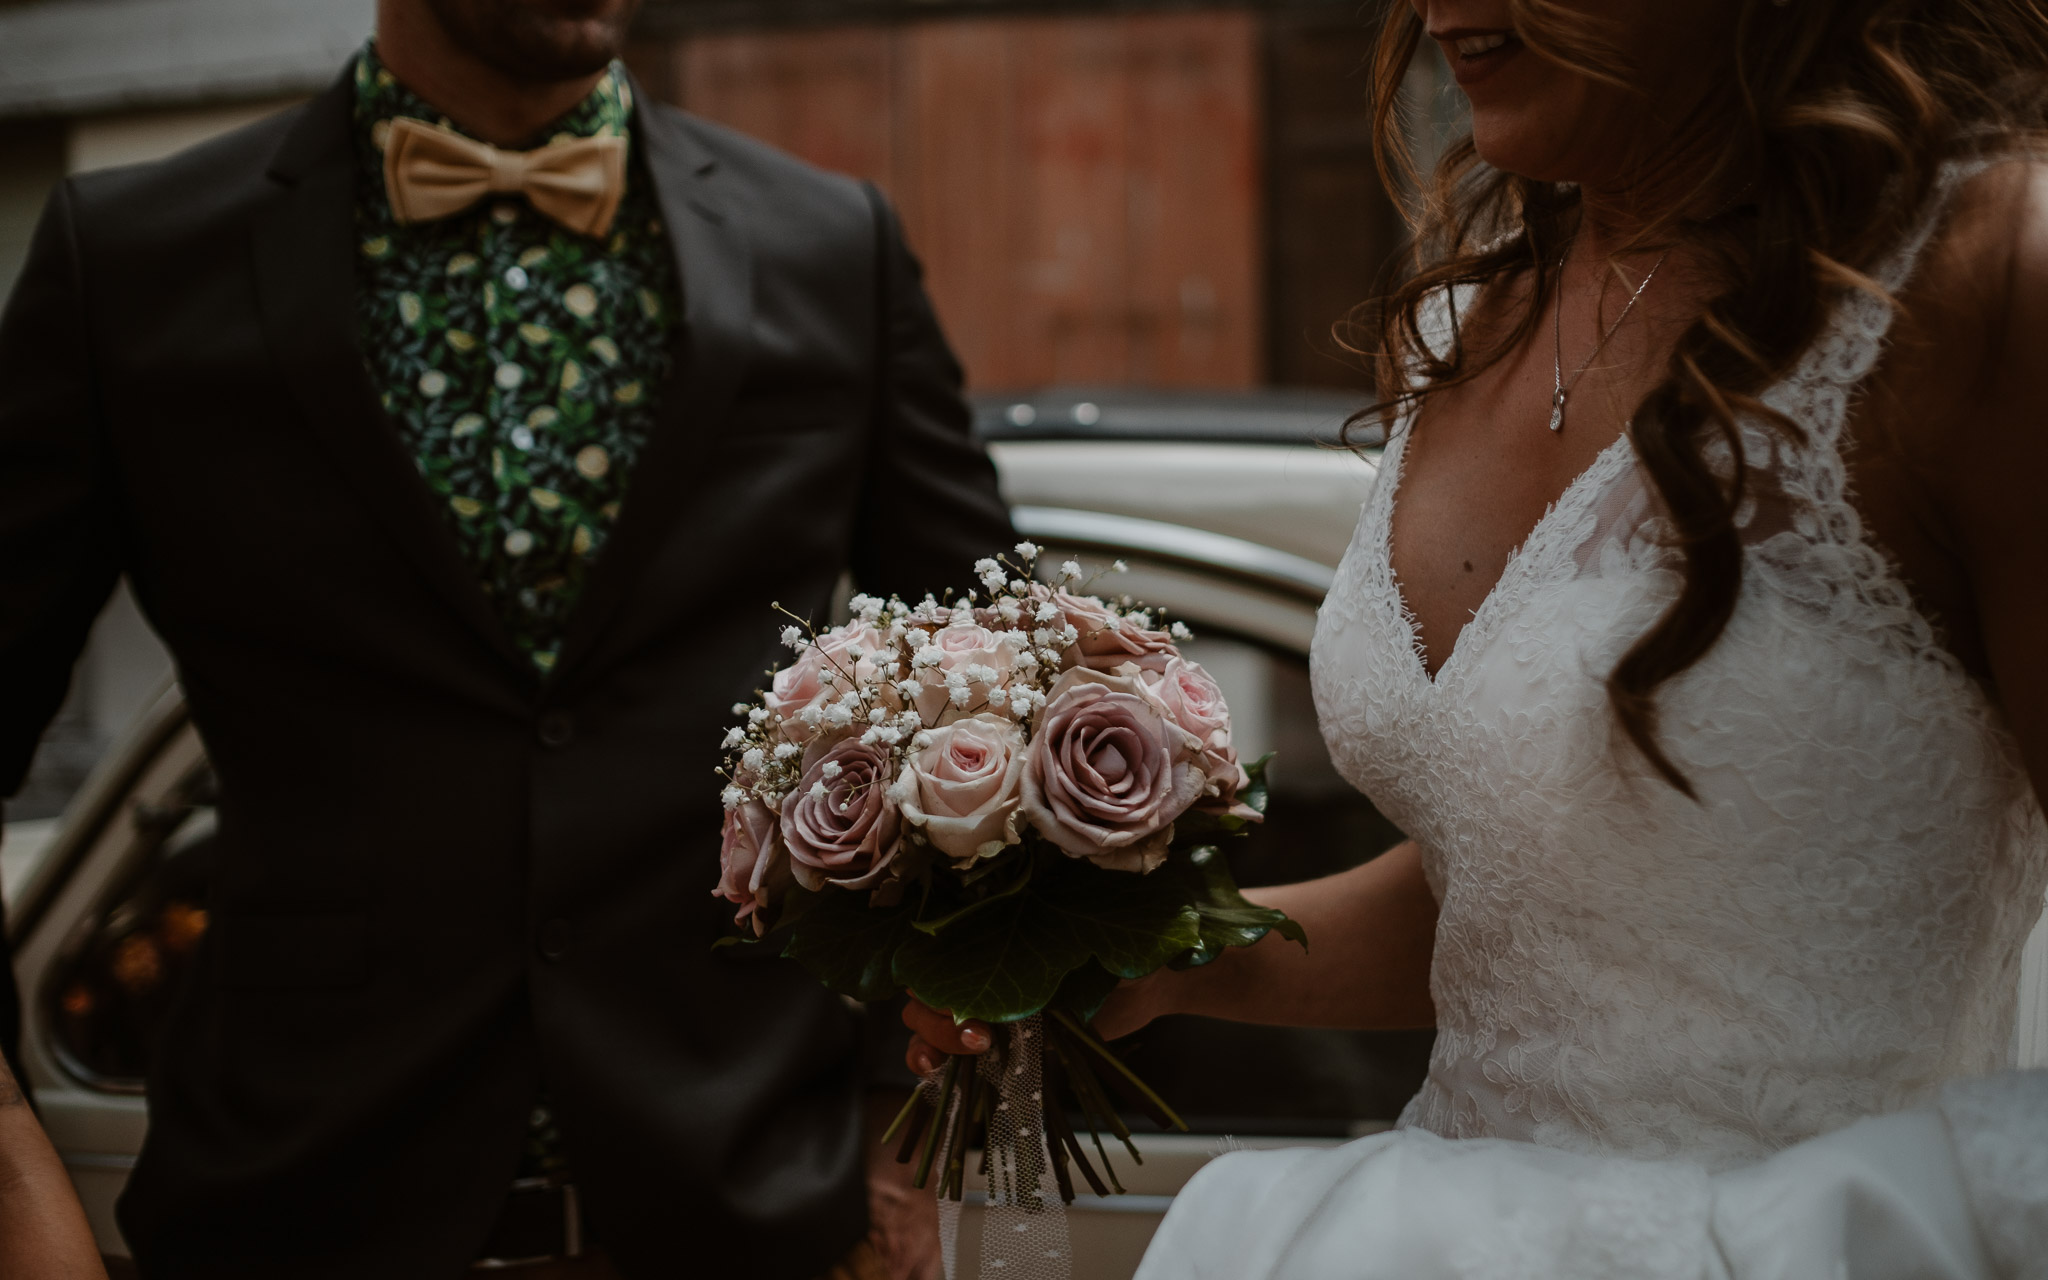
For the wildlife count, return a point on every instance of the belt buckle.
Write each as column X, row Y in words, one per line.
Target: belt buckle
column 572, row 1227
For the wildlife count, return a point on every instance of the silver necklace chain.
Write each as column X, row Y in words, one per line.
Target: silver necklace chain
column 1561, row 385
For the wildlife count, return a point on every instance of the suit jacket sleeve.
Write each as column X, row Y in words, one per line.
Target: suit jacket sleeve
column 59, row 548
column 929, row 504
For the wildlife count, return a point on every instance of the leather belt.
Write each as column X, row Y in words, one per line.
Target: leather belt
column 542, row 1221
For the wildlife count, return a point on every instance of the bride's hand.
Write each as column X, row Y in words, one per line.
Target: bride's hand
column 935, row 1035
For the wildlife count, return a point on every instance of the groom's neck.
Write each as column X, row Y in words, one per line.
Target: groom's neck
column 484, row 100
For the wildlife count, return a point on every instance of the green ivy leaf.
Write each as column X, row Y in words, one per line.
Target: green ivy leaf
column 1006, row 967
column 1132, row 924
column 1224, row 917
column 1258, row 792
column 1084, row 990
column 850, row 946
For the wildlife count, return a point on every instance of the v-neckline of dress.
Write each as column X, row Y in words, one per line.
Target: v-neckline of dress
column 1393, row 465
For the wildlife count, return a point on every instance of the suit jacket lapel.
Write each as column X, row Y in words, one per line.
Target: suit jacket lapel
column 715, row 265
column 304, row 246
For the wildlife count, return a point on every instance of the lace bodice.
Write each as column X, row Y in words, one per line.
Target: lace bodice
column 1833, row 931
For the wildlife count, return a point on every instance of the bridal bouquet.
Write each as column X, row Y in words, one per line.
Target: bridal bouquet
column 1005, row 805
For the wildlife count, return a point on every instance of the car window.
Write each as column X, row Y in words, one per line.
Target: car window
column 114, row 985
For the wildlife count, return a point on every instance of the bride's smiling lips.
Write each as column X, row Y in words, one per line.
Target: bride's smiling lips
column 1475, row 53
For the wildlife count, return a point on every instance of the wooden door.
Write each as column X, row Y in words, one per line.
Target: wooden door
column 1085, row 191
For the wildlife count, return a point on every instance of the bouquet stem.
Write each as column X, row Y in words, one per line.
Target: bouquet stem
column 953, row 1112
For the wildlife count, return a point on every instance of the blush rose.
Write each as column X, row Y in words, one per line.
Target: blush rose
column 753, row 869
column 1107, row 641
column 1195, row 701
column 1108, row 771
column 839, row 824
column 964, row 786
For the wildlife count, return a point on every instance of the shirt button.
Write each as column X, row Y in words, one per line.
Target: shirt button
column 504, row 213
column 554, row 939
column 515, row 277
column 522, row 439
column 556, row 729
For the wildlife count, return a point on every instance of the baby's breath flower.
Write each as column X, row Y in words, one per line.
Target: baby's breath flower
column 817, row 791
column 907, row 689
column 878, row 715
column 921, row 741
column 1042, row 636
column 831, row 769
column 1019, row 587
column 1120, row 567
column 754, row 758
column 757, row 715
column 812, row 716
column 1050, row 657
column 1046, row 612
column 837, row 717
column 998, row 698
column 981, row 674
column 928, row 656
column 1009, row 611
column 1015, row 640
column 1068, row 635
column 793, row 637
column 785, row 750
column 871, row 737
column 1071, row 569
column 918, row 637
column 960, row 695
column 733, row 797
column 1029, row 550
column 1179, row 631
column 909, row 719
column 740, row 708
column 734, row 737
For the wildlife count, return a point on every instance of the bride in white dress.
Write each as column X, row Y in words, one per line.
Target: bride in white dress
column 1696, row 632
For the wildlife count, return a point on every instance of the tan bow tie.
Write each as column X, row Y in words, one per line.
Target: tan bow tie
column 431, row 173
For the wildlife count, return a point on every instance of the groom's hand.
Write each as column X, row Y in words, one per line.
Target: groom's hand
column 935, row 1035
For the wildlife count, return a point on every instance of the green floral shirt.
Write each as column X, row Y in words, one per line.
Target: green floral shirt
column 519, row 359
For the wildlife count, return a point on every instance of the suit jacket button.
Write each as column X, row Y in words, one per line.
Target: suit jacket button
column 556, row 729
column 554, row 939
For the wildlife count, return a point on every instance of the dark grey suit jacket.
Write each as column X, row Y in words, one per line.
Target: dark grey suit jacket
column 444, row 879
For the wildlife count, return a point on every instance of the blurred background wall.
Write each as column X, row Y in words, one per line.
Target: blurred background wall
column 1105, row 192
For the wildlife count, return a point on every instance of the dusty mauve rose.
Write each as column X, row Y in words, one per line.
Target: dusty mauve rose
column 752, row 868
column 801, row 684
column 962, row 644
column 848, row 834
column 1195, row 701
column 1108, row 771
column 1106, row 641
column 963, row 787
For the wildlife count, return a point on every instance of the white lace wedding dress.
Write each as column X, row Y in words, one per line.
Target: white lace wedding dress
column 1832, row 932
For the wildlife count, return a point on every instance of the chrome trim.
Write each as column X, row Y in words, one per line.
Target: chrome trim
column 98, row 803
column 1178, row 545
column 1125, row 1203
column 110, row 1161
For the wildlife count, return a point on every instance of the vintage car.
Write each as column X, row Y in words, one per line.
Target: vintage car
column 1231, row 511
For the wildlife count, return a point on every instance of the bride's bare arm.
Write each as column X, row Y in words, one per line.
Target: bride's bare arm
column 1370, row 929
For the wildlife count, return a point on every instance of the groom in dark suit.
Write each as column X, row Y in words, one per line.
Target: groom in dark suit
column 456, row 431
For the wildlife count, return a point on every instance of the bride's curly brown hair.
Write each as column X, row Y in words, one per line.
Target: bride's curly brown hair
column 1836, row 117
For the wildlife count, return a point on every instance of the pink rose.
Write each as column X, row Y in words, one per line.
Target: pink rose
column 1195, row 701
column 963, row 788
column 1108, row 771
column 1107, row 641
column 752, row 871
column 960, row 646
column 802, row 684
column 839, row 823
